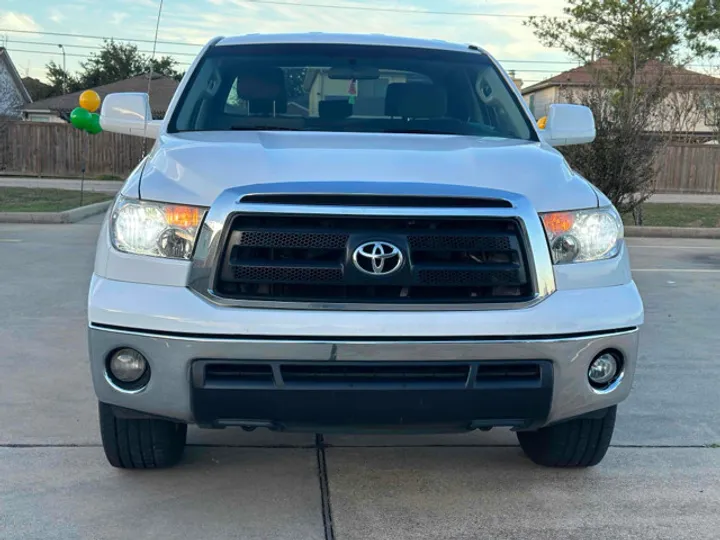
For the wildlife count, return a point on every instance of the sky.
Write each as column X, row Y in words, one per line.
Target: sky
column 191, row 23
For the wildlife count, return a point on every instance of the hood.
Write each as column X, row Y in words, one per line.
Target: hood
column 194, row 168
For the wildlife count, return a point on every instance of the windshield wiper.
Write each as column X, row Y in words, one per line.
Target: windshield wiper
column 263, row 128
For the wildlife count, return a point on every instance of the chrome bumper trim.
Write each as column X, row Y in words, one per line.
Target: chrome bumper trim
column 168, row 391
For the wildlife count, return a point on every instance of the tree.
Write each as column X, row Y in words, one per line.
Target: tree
column 628, row 46
column 60, row 80
column 166, row 65
column 115, row 61
column 294, row 80
column 37, row 89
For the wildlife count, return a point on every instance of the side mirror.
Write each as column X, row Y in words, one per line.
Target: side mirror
column 568, row 124
column 129, row 113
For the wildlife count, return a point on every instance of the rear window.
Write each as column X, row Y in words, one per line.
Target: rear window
column 348, row 88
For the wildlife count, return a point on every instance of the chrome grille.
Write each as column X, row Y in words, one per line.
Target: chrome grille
column 308, row 258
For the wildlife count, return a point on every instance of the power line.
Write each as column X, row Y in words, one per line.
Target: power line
column 75, row 55
column 170, row 54
column 185, row 63
column 193, row 55
column 87, row 36
column 133, row 40
column 393, row 10
column 95, row 47
column 55, row 53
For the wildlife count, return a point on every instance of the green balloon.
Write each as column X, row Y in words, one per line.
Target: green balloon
column 80, row 118
column 94, row 127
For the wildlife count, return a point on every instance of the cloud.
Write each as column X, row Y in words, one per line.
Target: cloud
column 118, row 17
column 12, row 20
column 145, row 3
column 195, row 22
column 56, row 15
column 243, row 16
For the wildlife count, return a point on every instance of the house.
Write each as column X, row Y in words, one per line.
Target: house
column 368, row 94
column 691, row 107
column 13, row 94
column 57, row 109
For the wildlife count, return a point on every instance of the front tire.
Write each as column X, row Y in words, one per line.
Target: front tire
column 131, row 443
column 582, row 442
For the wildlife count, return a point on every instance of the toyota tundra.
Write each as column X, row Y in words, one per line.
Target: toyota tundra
column 358, row 233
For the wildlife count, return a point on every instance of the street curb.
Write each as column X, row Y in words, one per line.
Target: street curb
column 672, row 232
column 68, row 216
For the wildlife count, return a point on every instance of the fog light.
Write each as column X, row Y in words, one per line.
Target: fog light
column 603, row 369
column 128, row 365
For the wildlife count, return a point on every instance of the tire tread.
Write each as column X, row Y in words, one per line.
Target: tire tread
column 582, row 442
column 140, row 443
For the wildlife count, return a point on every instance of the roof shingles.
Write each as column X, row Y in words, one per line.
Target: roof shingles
column 585, row 75
column 162, row 90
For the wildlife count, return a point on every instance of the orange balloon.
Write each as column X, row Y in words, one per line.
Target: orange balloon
column 90, row 100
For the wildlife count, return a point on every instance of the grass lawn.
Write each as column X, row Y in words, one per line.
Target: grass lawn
column 15, row 199
column 678, row 215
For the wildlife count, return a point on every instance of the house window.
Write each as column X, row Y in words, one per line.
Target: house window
column 710, row 106
column 532, row 104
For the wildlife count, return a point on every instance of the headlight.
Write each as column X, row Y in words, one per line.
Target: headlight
column 585, row 235
column 157, row 229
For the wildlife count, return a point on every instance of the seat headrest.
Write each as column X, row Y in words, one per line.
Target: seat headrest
column 392, row 98
column 263, row 87
column 423, row 101
column 415, row 100
column 335, row 109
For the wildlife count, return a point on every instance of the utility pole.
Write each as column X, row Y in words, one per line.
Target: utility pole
column 62, row 48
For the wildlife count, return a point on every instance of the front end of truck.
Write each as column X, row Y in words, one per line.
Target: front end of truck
column 354, row 305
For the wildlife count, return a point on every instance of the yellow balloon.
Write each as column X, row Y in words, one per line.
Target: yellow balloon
column 90, row 100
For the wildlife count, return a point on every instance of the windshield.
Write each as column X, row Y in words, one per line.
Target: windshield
column 349, row 88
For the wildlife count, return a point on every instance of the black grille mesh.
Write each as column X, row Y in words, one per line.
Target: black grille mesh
column 298, row 240
column 287, row 274
column 449, row 278
column 309, row 259
column 474, row 242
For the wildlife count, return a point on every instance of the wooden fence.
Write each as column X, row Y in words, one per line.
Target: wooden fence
column 54, row 149
column 689, row 168
column 39, row 149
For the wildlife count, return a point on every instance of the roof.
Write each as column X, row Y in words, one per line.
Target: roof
column 5, row 55
column 162, row 90
column 351, row 39
column 583, row 75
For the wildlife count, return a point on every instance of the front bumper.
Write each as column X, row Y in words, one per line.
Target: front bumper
column 174, row 391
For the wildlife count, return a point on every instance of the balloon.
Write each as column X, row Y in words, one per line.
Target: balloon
column 80, row 118
column 90, row 100
column 94, row 127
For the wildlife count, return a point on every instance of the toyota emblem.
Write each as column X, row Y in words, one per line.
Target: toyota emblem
column 378, row 258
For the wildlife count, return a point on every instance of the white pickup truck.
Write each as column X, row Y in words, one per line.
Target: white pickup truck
column 358, row 233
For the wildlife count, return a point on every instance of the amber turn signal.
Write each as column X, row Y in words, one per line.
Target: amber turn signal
column 183, row 216
column 558, row 222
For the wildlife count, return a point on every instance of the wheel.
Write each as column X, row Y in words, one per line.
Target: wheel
column 582, row 442
column 140, row 443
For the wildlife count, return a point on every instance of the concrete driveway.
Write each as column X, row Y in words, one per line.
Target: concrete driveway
column 661, row 479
